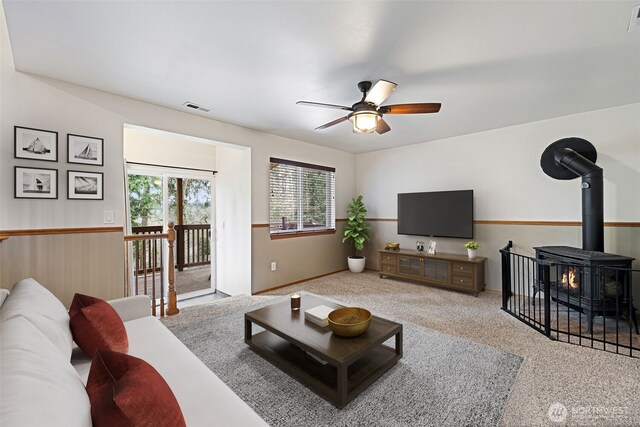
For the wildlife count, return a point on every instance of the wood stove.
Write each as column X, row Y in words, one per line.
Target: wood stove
column 593, row 282
column 585, row 281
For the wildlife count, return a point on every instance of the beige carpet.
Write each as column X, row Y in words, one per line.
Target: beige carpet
column 595, row 387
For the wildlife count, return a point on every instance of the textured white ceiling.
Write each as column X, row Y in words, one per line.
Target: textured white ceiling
column 491, row 64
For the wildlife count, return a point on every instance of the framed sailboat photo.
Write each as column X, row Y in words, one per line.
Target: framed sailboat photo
column 85, row 150
column 32, row 183
column 85, row 185
column 35, row 144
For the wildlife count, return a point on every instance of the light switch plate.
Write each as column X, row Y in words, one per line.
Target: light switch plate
column 108, row 217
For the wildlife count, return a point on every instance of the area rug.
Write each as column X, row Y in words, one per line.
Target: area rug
column 441, row 380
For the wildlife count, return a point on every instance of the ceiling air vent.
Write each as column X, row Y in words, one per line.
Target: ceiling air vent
column 634, row 23
column 195, row 106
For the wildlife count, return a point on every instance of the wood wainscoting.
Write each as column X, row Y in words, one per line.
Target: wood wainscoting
column 65, row 260
column 529, row 222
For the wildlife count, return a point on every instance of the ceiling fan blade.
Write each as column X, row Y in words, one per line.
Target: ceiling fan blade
column 319, row 104
column 380, row 92
column 411, row 108
column 335, row 122
column 382, row 127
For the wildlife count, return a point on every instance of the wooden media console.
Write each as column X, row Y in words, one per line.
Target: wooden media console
column 445, row 270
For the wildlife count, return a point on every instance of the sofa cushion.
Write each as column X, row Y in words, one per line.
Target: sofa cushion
column 96, row 325
column 39, row 385
column 4, row 293
column 127, row 391
column 34, row 302
column 193, row 384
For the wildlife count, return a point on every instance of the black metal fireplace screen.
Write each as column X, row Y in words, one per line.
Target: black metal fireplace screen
column 587, row 305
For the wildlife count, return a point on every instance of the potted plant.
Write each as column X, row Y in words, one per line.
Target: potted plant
column 472, row 248
column 356, row 230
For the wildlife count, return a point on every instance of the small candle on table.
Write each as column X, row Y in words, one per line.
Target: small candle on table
column 295, row 302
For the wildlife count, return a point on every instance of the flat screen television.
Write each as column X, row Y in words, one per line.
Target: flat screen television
column 436, row 213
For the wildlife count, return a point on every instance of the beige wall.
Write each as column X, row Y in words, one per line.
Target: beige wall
column 1, row 252
column 297, row 257
column 620, row 240
column 88, row 263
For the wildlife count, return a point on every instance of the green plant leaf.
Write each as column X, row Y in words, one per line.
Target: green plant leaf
column 356, row 228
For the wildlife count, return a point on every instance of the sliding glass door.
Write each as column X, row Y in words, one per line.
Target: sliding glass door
column 157, row 196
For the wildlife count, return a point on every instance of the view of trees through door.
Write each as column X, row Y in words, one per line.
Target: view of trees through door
column 188, row 204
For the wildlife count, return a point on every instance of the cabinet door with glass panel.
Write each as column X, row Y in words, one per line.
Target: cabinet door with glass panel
column 410, row 266
column 436, row 271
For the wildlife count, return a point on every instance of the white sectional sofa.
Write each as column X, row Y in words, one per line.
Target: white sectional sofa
column 43, row 375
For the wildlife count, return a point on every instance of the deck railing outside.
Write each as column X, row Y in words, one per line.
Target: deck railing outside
column 148, row 256
column 145, row 267
column 193, row 244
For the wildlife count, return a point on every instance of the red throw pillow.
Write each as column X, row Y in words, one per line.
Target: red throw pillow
column 96, row 325
column 127, row 391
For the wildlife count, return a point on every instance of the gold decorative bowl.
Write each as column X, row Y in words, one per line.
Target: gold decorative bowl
column 349, row 321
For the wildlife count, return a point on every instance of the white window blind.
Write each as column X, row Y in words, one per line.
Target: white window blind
column 302, row 197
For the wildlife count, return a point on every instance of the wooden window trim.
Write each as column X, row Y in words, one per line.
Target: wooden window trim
column 301, row 164
column 279, row 236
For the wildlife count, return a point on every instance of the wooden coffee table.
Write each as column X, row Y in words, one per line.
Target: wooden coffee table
column 336, row 368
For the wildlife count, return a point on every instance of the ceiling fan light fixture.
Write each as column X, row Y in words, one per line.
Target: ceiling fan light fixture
column 364, row 121
column 366, row 115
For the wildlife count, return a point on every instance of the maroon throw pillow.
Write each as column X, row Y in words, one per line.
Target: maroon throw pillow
column 127, row 391
column 96, row 325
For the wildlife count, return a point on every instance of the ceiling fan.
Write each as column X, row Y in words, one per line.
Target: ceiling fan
column 367, row 113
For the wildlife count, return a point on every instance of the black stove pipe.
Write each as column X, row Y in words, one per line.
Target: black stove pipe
column 592, row 196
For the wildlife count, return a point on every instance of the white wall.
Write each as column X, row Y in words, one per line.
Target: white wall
column 233, row 219
column 502, row 166
column 33, row 101
column 75, row 109
column 26, row 101
column 145, row 145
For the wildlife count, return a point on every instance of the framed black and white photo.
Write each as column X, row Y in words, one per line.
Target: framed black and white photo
column 85, row 185
column 35, row 144
column 86, row 150
column 33, row 183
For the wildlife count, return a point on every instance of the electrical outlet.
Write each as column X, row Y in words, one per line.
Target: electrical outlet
column 108, row 217
column 274, row 266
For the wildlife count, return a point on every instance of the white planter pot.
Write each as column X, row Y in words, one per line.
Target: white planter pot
column 472, row 253
column 356, row 265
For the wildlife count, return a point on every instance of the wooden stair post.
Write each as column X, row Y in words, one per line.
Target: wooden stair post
column 173, row 299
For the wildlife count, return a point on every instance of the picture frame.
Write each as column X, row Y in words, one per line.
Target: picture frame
column 86, row 150
column 431, row 250
column 35, row 144
column 35, row 183
column 83, row 185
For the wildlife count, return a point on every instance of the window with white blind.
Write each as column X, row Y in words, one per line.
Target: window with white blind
column 302, row 197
